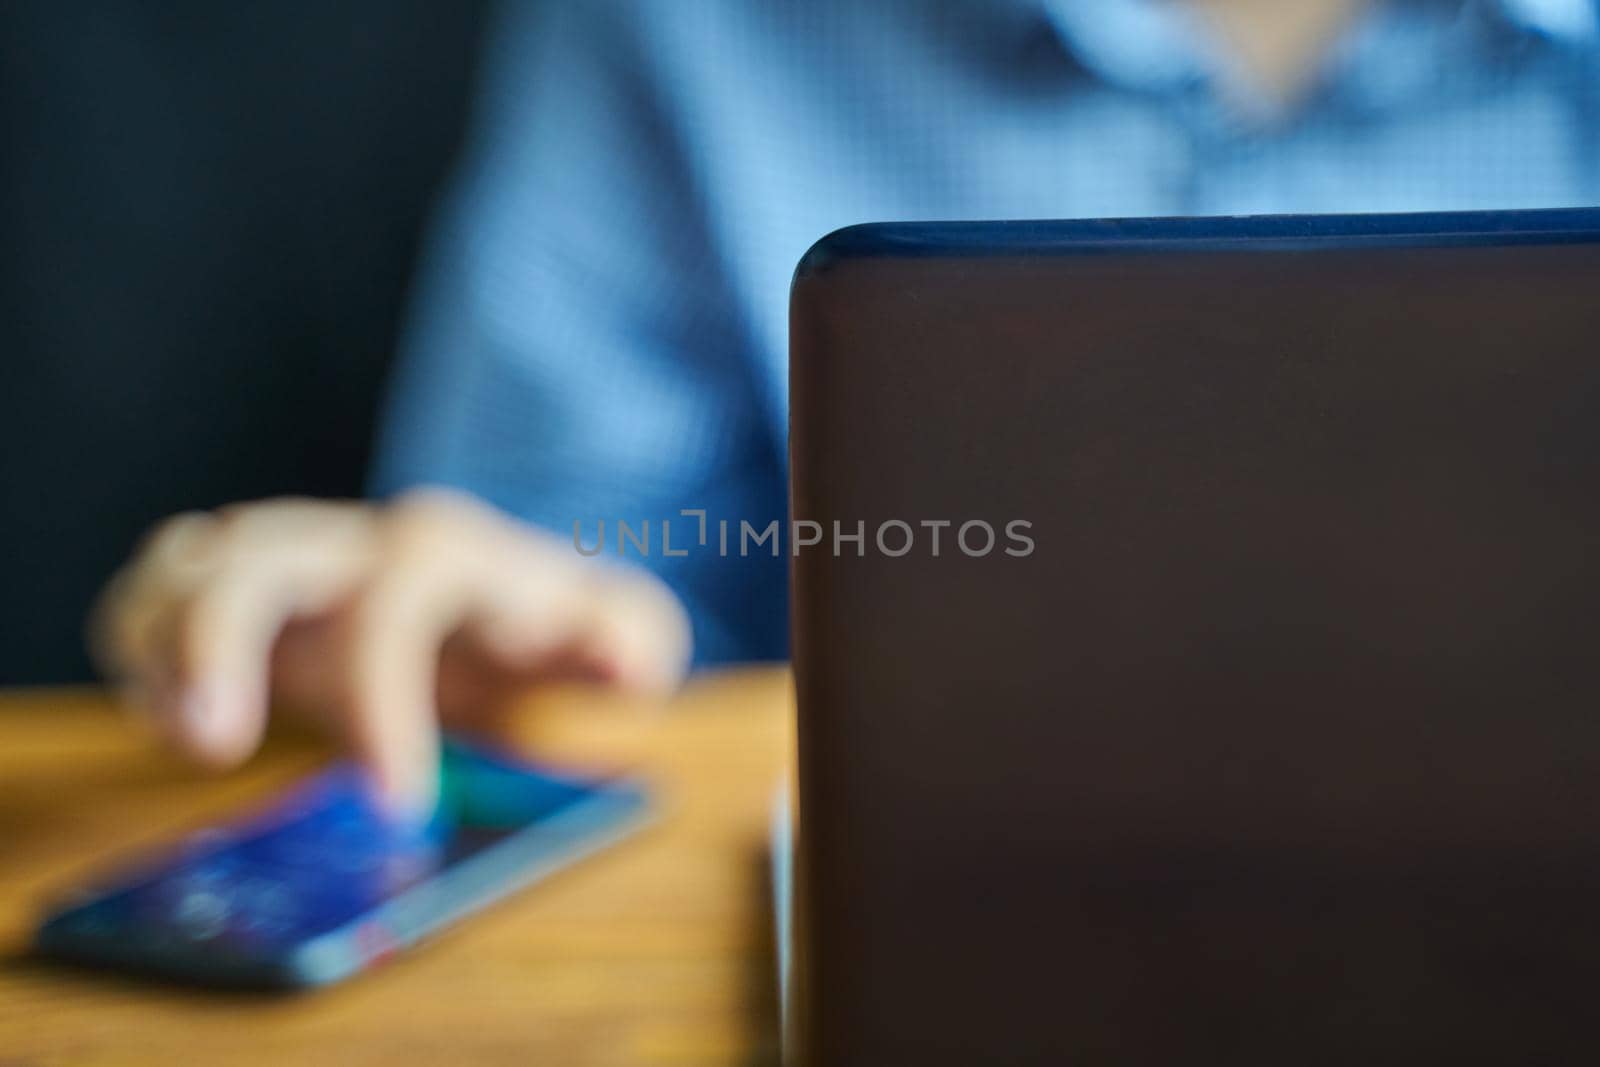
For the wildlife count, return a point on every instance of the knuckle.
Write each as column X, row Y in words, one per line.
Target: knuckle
column 426, row 522
column 177, row 536
column 271, row 517
column 171, row 557
column 271, row 530
column 436, row 498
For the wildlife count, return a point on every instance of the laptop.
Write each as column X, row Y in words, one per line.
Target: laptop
column 1205, row 665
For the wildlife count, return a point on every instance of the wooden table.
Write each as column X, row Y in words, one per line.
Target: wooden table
column 657, row 952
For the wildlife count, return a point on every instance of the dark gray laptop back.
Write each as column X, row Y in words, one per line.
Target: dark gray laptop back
column 1267, row 728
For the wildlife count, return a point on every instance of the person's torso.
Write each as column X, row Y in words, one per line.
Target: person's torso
column 798, row 119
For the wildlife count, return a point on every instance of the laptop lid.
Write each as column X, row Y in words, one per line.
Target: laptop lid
column 1215, row 678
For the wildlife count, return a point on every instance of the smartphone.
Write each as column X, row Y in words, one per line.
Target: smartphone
column 322, row 885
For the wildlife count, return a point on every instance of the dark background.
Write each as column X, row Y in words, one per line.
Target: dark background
column 209, row 214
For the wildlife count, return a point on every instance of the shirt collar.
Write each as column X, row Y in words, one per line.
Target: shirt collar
column 1158, row 45
column 1407, row 48
column 1573, row 21
column 1140, row 44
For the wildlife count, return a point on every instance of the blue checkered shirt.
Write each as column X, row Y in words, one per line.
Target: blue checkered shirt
column 600, row 331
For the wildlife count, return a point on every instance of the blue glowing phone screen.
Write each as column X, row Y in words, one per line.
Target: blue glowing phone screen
column 320, row 857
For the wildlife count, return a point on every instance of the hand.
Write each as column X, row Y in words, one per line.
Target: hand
column 385, row 618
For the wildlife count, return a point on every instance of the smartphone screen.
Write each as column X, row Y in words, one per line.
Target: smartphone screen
column 321, row 884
